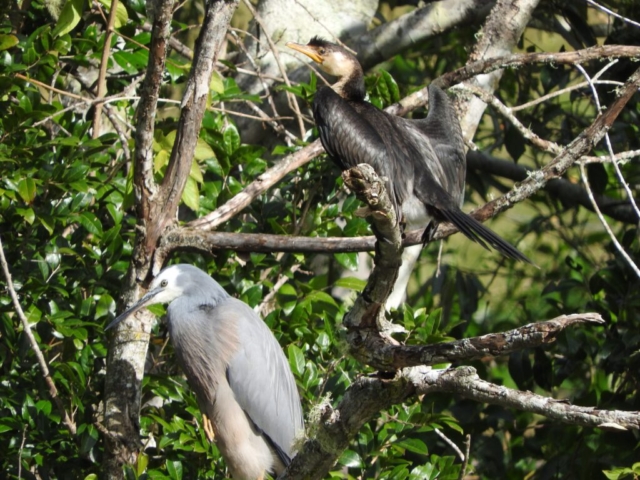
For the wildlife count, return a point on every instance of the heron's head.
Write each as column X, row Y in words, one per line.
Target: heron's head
column 332, row 59
column 165, row 288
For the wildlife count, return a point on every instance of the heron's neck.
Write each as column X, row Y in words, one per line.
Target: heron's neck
column 351, row 87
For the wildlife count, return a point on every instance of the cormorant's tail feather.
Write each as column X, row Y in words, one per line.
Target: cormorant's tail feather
column 476, row 231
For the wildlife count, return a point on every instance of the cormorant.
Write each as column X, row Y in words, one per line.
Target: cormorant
column 423, row 160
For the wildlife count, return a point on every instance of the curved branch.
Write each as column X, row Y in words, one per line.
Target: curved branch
column 380, row 353
column 464, row 381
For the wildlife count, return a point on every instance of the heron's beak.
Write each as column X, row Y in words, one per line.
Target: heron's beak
column 147, row 299
column 307, row 50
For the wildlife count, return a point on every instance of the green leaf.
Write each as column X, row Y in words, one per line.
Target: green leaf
column 143, row 461
column 391, row 86
column 105, row 305
column 160, row 160
column 351, row 459
column 351, row 283
column 433, row 321
column 69, row 17
column 8, row 41
column 90, row 222
column 174, row 467
column 413, row 445
column 27, row 213
column 318, row 296
column 347, row 260
column 33, row 315
column 27, row 189
column 191, row 194
column 296, row 360
column 217, row 82
column 231, row 139
column 195, row 172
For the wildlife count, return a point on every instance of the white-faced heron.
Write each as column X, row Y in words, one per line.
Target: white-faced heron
column 235, row 366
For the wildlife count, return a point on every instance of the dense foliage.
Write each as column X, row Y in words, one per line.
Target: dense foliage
column 67, row 228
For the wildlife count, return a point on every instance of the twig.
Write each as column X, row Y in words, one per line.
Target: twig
column 507, row 112
column 293, row 102
column 451, row 444
column 612, row 13
column 607, row 140
column 585, row 180
column 53, row 391
column 465, row 462
column 104, row 63
column 49, row 87
column 571, row 88
column 621, row 157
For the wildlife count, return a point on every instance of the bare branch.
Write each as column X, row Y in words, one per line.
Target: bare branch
column 257, row 187
column 612, row 13
column 380, row 353
column 104, row 62
column 53, row 391
column 464, row 381
column 588, row 139
column 144, row 185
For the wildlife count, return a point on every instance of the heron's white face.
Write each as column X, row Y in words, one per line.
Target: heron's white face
column 165, row 288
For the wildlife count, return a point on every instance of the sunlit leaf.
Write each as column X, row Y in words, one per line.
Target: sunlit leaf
column 69, row 17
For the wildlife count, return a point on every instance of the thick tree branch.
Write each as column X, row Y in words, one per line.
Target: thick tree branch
column 378, row 352
column 143, row 183
column 464, row 381
column 391, row 38
column 216, row 21
column 331, row 432
column 128, row 350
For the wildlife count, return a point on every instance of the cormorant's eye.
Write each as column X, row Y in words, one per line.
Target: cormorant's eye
column 164, row 283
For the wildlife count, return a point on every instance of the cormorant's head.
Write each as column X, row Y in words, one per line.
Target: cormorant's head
column 333, row 59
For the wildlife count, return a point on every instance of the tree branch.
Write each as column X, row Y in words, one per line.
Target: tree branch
column 217, row 17
column 464, row 381
column 567, row 192
column 378, row 352
column 584, row 143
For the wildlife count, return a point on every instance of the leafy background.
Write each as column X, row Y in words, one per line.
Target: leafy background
column 67, row 227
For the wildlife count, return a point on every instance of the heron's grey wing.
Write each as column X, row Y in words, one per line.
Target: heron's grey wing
column 261, row 380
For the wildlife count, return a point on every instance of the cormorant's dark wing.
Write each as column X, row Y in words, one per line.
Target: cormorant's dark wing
column 444, row 135
column 350, row 138
column 442, row 128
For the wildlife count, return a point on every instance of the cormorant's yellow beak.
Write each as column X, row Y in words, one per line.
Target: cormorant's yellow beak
column 310, row 52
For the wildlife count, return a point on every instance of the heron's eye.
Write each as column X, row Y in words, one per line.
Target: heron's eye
column 322, row 51
column 164, row 283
